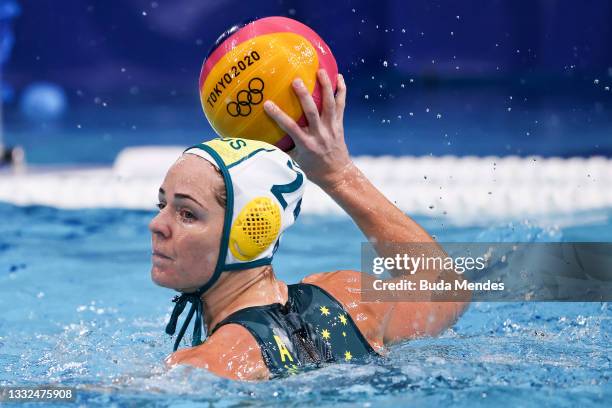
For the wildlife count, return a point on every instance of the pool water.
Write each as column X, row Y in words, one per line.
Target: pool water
column 79, row 309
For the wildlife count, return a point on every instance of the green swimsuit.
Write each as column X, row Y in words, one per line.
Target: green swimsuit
column 312, row 328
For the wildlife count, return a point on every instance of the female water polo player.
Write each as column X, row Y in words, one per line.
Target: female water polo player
column 223, row 207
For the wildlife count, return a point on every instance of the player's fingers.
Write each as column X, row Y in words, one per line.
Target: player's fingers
column 308, row 104
column 327, row 96
column 285, row 122
column 340, row 97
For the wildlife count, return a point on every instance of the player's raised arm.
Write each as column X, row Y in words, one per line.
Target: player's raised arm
column 322, row 153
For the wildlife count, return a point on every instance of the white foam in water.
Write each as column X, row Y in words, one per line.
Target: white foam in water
column 461, row 189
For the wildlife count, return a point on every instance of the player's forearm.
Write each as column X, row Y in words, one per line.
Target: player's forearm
column 379, row 220
column 385, row 225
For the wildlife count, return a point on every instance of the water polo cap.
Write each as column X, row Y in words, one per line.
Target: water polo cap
column 264, row 189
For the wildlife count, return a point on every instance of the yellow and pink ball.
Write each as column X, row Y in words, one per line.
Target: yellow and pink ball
column 255, row 62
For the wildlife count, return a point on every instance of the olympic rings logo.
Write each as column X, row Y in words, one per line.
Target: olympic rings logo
column 246, row 98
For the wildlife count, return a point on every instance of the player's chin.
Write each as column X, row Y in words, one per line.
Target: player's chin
column 164, row 276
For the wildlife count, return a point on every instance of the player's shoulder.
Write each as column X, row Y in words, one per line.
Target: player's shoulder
column 344, row 275
column 230, row 352
column 344, row 280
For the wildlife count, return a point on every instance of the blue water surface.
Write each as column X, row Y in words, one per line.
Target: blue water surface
column 79, row 309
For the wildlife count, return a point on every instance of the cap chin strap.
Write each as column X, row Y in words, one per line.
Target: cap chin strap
column 196, row 308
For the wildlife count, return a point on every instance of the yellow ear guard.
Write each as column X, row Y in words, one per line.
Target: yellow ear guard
column 255, row 229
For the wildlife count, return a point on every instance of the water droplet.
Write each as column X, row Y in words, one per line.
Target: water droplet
column 439, row 115
column 385, row 64
column 366, row 96
column 144, row 13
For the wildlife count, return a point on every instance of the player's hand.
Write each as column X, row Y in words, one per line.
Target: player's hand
column 320, row 149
